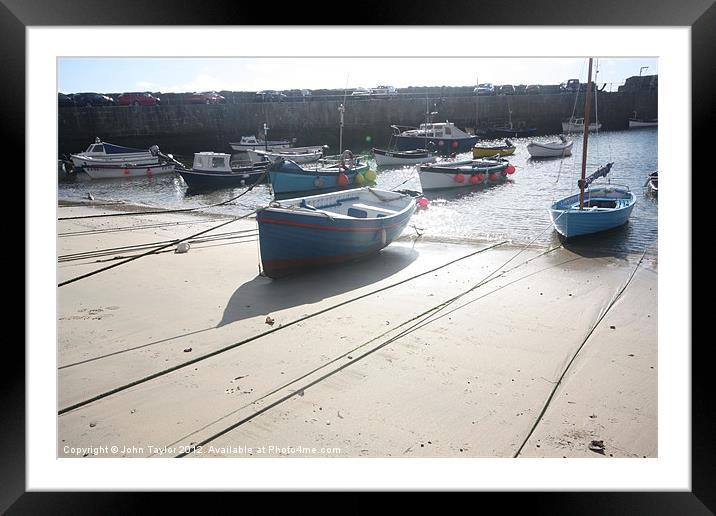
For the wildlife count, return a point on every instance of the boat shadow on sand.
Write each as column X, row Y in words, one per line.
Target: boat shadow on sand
column 264, row 296
column 606, row 244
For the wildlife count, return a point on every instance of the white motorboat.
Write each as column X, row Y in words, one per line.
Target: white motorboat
column 295, row 154
column 248, row 143
column 103, row 153
column 576, row 125
column 560, row 148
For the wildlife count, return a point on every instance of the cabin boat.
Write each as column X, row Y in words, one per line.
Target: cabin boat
column 486, row 151
column 465, row 173
column 319, row 230
column 560, row 148
column 253, row 143
column 576, row 125
column 215, row 169
column 104, row 153
column 444, row 137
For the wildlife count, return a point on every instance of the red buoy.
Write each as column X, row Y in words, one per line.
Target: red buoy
column 423, row 202
column 493, row 176
column 454, row 145
column 480, row 177
column 474, row 180
column 510, row 169
column 459, row 178
column 342, row 180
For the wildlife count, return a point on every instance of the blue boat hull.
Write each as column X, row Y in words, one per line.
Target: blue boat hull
column 572, row 222
column 287, row 178
column 441, row 145
column 292, row 242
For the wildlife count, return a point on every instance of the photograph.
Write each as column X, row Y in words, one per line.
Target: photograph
column 319, row 257
column 383, row 264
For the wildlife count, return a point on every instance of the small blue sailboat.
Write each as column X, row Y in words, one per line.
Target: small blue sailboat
column 598, row 209
column 319, row 230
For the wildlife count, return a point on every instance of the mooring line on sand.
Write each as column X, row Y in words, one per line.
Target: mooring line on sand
column 96, row 253
column 178, row 210
column 87, row 232
column 576, row 353
column 427, row 314
column 264, row 333
column 152, row 251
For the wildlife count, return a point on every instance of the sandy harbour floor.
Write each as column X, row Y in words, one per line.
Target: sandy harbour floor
column 428, row 349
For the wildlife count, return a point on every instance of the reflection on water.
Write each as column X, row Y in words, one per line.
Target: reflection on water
column 516, row 210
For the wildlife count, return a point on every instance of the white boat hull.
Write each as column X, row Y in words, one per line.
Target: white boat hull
column 383, row 161
column 83, row 160
column 549, row 150
column 440, row 180
column 569, row 127
column 638, row 123
column 110, row 172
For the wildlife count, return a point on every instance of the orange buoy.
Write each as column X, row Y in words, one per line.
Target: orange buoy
column 423, row 202
column 510, row 169
column 342, row 179
column 459, row 178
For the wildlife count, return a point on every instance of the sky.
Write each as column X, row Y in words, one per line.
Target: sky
column 117, row 75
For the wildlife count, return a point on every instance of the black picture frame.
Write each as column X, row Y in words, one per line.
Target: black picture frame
column 700, row 15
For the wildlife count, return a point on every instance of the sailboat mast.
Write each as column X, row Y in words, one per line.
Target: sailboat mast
column 587, row 101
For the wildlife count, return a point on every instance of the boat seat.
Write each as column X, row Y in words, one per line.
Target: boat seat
column 375, row 208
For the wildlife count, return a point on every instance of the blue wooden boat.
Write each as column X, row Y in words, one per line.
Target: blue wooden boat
column 215, row 170
column 596, row 209
column 604, row 208
column 318, row 230
column 287, row 176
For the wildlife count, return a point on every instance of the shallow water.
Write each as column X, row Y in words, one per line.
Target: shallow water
column 516, row 211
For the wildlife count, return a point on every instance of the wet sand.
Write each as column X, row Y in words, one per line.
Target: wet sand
column 505, row 352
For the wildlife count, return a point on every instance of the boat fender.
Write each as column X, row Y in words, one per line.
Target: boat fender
column 510, row 169
column 459, row 178
column 343, row 179
column 474, row 180
column 183, row 247
column 493, row 176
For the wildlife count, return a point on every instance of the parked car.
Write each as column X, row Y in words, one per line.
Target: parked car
column 521, row 89
column 484, row 89
column 532, row 89
column 92, row 99
column 361, row 92
column 138, row 99
column 506, row 89
column 306, row 93
column 206, row 97
column 271, row 95
column 64, row 100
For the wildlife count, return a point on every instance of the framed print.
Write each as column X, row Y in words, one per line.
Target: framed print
column 443, row 333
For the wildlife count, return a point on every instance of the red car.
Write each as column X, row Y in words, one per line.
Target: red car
column 138, row 99
column 207, row 97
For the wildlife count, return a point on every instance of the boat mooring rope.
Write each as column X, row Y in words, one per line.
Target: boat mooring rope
column 574, row 356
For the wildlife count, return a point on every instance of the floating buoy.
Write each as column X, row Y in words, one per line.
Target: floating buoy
column 493, row 176
column 474, row 180
column 359, row 180
column 459, row 178
column 510, row 169
column 370, row 175
column 422, row 202
column 343, row 179
column 480, row 177
column 318, row 182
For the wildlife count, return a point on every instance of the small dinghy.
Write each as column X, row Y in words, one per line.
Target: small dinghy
column 555, row 149
column 215, row 170
column 399, row 158
column 472, row 172
column 318, row 230
column 287, row 176
column 488, row 151
column 592, row 210
column 295, row 154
